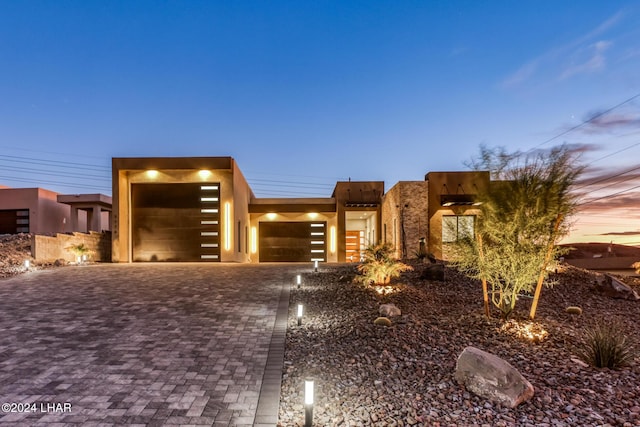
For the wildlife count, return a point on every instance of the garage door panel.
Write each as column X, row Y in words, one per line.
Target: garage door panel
column 171, row 222
column 292, row 241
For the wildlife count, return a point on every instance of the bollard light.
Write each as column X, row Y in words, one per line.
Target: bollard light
column 27, row 264
column 298, row 280
column 300, row 314
column 308, row 402
column 315, row 266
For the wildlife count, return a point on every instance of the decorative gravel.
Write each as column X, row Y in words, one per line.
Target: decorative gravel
column 403, row 375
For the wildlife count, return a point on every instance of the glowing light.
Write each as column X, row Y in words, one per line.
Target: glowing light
column 298, row 280
column 272, row 215
column 315, row 265
column 227, row 226
column 27, row 263
column 332, row 239
column 530, row 331
column 300, row 308
column 152, row 173
column 254, row 240
column 385, row 290
column 312, row 215
column 204, row 173
column 308, row 392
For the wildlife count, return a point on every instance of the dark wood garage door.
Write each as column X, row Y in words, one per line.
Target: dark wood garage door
column 176, row 222
column 293, row 241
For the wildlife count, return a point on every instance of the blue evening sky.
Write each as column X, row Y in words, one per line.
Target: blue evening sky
column 305, row 93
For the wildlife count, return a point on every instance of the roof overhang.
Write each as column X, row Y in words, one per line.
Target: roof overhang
column 447, row 200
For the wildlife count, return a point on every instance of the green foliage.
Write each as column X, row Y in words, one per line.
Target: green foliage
column 79, row 250
column 605, row 345
column 523, row 215
column 379, row 267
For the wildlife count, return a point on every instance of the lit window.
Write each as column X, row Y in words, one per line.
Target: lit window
column 457, row 227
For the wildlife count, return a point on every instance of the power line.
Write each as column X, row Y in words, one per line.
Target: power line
column 608, row 196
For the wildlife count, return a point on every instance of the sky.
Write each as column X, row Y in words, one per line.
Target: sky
column 305, row 93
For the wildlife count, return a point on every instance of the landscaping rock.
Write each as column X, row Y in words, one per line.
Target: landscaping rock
column 614, row 288
column 433, row 272
column 491, row 377
column 389, row 310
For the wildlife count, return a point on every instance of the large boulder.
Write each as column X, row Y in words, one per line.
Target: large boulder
column 492, row 378
column 614, row 288
column 389, row 310
column 433, row 272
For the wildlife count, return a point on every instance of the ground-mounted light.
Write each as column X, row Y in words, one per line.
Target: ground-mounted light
column 315, row 266
column 27, row 264
column 299, row 316
column 308, row 402
column 298, row 281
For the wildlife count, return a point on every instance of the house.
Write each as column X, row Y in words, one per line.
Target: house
column 203, row 209
column 41, row 211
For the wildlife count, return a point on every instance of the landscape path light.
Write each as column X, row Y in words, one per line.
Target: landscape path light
column 298, row 280
column 300, row 308
column 27, row 264
column 308, row 402
column 315, row 266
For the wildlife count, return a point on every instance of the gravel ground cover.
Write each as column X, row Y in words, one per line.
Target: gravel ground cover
column 14, row 249
column 368, row 375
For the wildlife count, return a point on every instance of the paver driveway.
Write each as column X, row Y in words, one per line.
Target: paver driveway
column 148, row 344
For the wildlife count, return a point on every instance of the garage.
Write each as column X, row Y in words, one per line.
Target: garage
column 175, row 222
column 302, row 241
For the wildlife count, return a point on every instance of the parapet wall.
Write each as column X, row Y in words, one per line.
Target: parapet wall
column 52, row 248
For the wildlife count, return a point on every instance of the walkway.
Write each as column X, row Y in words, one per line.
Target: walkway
column 146, row 344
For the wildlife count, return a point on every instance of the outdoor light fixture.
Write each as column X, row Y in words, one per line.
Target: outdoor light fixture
column 152, row 173
column 315, row 266
column 254, row 240
column 203, row 173
column 300, row 308
column 313, row 215
column 27, row 264
column 308, row 402
column 298, row 280
column 332, row 239
column 272, row 215
column 227, row 226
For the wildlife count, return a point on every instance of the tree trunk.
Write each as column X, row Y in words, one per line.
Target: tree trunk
column 547, row 258
column 485, row 292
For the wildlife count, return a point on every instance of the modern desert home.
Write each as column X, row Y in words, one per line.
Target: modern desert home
column 203, row 209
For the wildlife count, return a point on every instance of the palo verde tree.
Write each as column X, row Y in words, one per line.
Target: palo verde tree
column 524, row 213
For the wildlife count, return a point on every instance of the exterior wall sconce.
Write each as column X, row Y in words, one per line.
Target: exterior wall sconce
column 332, row 239
column 308, row 402
column 227, row 226
column 272, row 215
column 204, row 173
column 299, row 316
column 152, row 173
column 254, row 240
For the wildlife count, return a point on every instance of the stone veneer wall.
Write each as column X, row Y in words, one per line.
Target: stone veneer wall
column 407, row 202
column 52, row 248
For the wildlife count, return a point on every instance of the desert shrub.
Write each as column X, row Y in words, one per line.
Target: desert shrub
column 379, row 266
column 605, row 345
column 636, row 266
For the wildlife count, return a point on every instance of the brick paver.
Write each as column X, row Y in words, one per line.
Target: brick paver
column 143, row 344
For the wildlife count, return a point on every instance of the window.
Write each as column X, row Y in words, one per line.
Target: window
column 457, row 227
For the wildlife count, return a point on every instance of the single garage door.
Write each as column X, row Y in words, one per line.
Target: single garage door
column 293, row 241
column 175, row 222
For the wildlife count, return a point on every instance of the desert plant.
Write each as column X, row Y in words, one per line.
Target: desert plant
column 379, row 266
column 605, row 345
column 573, row 310
column 524, row 213
column 382, row 321
column 79, row 250
column 636, row 266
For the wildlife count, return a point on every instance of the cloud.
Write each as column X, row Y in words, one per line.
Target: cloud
column 596, row 122
column 621, row 233
column 595, row 59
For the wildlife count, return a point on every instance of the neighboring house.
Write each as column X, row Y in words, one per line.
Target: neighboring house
column 40, row 211
column 203, row 209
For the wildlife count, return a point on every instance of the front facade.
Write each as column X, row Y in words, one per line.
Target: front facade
column 202, row 209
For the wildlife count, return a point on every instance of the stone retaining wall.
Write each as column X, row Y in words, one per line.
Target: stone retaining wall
column 52, row 248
